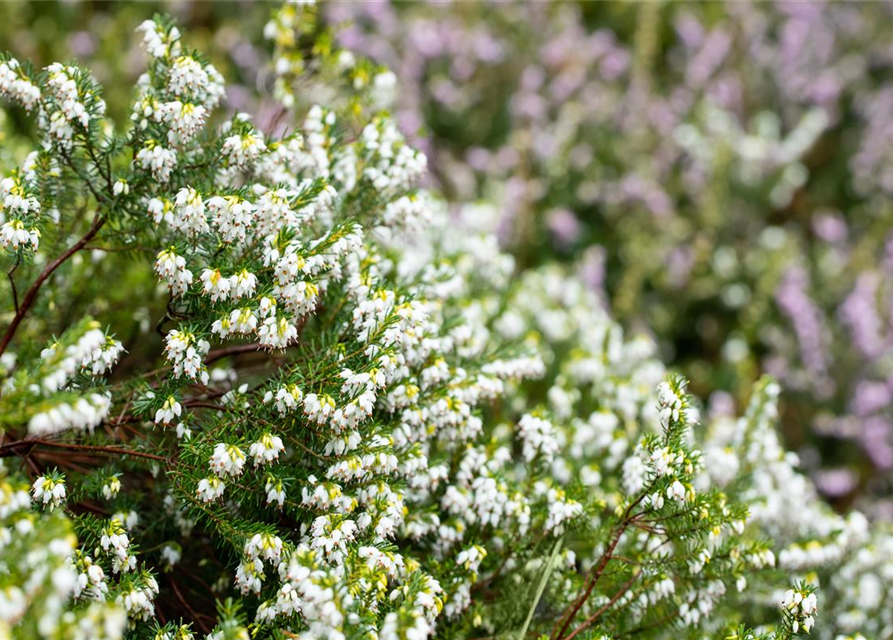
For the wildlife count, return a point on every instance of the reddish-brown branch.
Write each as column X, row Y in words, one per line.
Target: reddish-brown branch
column 594, row 576
column 217, row 354
column 124, row 249
column 31, row 295
column 93, row 508
column 32, row 466
column 596, row 572
column 13, row 447
column 76, row 461
column 185, row 603
column 610, row 603
column 12, row 282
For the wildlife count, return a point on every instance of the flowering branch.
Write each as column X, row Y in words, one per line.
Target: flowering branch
column 595, row 573
column 31, row 294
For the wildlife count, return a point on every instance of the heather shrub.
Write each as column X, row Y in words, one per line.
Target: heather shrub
column 341, row 411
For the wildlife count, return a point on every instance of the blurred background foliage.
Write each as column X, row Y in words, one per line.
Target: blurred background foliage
column 719, row 172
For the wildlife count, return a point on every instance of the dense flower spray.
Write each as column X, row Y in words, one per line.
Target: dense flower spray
column 361, row 419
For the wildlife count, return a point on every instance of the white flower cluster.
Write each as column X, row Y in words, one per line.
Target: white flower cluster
column 275, row 492
column 158, row 160
column 228, row 460
column 671, row 405
column 172, row 268
column 847, row 553
column 185, row 120
column 85, row 413
column 322, row 409
column 159, row 41
column 13, row 233
column 116, row 544
column 91, row 578
column 561, row 509
column 233, row 217
column 243, row 150
column 307, row 588
column 15, row 84
column 186, row 353
column 259, row 548
column 538, row 438
column 238, row 285
column 49, row 491
column 94, row 351
column 198, row 85
column 171, row 553
column 16, row 199
column 266, row 450
column 179, row 106
column 111, row 488
column 391, row 164
column 408, row 361
column 19, row 211
column 185, row 75
column 138, row 602
column 169, row 411
column 43, row 571
column 70, row 104
column 801, row 607
column 210, row 488
column 104, row 357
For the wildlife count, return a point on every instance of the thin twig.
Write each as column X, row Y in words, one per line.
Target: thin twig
column 31, row 294
column 565, row 621
column 14, row 446
column 185, row 603
column 294, row 440
column 26, row 456
column 99, row 197
column 610, row 603
column 12, row 269
column 217, row 354
column 107, row 175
